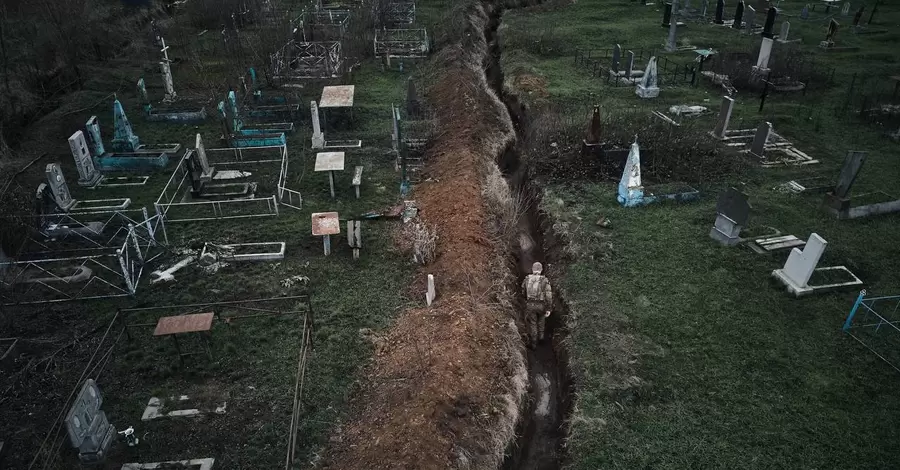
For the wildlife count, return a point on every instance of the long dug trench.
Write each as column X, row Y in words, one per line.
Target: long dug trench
column 542, row 429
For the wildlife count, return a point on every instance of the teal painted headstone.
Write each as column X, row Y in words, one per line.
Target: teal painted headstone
column 124, row 139
column 94, row 140
column 236, row 124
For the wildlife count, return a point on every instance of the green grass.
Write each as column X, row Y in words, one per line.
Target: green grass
column 686, row 353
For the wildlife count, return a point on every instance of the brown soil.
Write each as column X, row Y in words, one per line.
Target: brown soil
column 445, row 385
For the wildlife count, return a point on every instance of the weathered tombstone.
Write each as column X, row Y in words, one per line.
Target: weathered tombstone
column 801, row 264
column 318, row 137
column 732, row 212
column 762, row 62
column 631, row 191
column 142, row 91
column 124, row 139
column 750, row 14
column 616, row 56
column 724, row 117
column 412, row 98
column 739, row 16
column 207, row 172
column 720, row 12
column 88, row 428
column 395, row 129
column 88, row 176
column 858, row 15
column 430, row 293
column 166, row 71
column 647, row 87
column 839, row 197
column 58, row 187
column 703, row 7
column 667, row 14
column 845, row 11
column 94, row 140
column 832, row 32
column 785, row 30
column 670, row 41
column 769, row 27
column 629, row 64
column 758, row 147
column 804, row 13
column 354, row 236
column 594, row 128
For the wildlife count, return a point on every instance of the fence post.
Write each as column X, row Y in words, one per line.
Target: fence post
column 849, row 320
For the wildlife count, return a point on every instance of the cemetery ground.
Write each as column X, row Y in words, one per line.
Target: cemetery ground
column 254, row 361
column 685, row 353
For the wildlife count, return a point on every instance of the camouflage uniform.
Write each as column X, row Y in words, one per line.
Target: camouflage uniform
column 539, row 301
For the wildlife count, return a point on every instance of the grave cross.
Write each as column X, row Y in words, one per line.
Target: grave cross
column 165, row 68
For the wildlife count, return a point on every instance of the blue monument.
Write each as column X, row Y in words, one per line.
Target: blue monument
column 124, row 139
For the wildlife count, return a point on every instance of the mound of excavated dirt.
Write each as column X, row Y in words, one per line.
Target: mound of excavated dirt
column 444, row 388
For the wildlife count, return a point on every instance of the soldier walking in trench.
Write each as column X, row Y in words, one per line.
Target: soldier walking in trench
column 538, row 303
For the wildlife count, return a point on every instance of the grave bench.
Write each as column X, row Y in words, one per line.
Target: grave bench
column 357, row 179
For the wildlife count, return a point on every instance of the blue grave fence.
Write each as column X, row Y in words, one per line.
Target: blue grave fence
column 875, row 323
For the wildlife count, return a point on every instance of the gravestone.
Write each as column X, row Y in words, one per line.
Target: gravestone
column 845, row 11
column 412, row 98
column 594, row 128
column 804, row 13
column 88, row 176
column 801, row 264
column 165, row 69
column 206, row 172
column 629, row 65
column 124, row 139
column 58, row 187
column 874, row 9
column 616, row 55
column 670, row 41
column 631, row 191
column 94, row 140
column 732, row 212
column 858, row 15
column 762, row 62
column 829, row 37
column 88, row 428
column 750, row 14
column 720, row 12
column 785, row 30
column 769, row 27
column 852, row 165
column 739, row 16
column 703, row 8
column 354, row 236
column 724, row 117
column 667, row 14
column 142, row 91
column 647, row 87
column 318, row 137
column 758, row 147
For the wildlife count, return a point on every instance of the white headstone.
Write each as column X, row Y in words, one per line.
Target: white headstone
column 724, row 116
column 166, row 70
column 206, row 173
column 765, row 52
column 785, row 29
column 430, row 294
column 58, row 187
column 87, row 174
column 647, row 87
column 318, row 138
column 801, row 264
